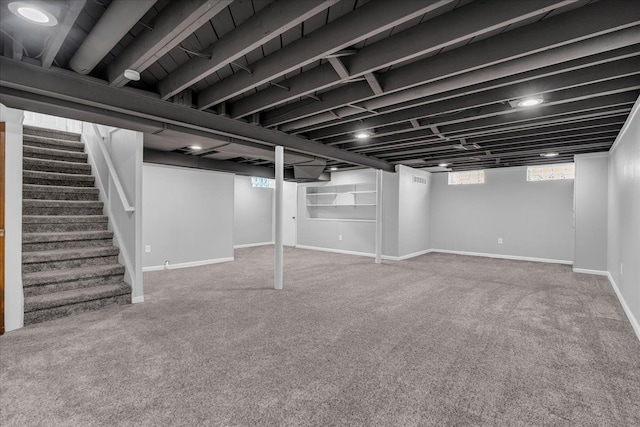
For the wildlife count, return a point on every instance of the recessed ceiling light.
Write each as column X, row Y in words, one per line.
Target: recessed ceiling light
column 32, row 13
column 530, row 102
column 131, row 75
column 552, row 154
column 443, row 165
column 334, row 168
column 362, row 134
column 195, row 147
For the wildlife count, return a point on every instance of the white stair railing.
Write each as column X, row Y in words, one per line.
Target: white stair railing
column 112, row 170
column 124, row 221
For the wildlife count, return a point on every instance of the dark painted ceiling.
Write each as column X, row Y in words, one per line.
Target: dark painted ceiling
column 430, row 81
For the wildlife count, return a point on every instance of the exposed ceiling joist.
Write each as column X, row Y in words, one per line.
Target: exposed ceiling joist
column 574, row 67
column 598, row 106
column 494, row 123
column 268, row 23
column 86, row 91
column 586, row 31
column 373, row 18
column 547, row 87
column 608, row 133
column 446, row 30
column 174, row 24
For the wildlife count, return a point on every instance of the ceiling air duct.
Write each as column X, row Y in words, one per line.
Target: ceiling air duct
column 116, row 21
column 310, row 170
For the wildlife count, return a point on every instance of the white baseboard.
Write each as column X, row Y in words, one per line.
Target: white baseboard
column 634, row 322
column 408, row 256
column 337, row 251
column 137, row 300
column 187, row 264
column 513, row 257
column 587, row 271
column 366, row 254
column 251, row 245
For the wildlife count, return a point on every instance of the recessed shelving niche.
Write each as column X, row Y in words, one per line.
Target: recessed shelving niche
column 352, row 202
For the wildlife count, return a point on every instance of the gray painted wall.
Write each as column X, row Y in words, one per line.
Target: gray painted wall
column 534, row 219
column 357, row 236
column 414, row 225
column 187, row 215
column 624, row 213
column 590, row 248
column 253, row 213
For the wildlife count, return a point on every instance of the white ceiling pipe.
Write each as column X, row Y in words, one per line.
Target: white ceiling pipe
column 116, row 21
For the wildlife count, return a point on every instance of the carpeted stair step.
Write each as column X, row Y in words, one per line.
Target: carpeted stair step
column 53, row 143
column 74, row 284
column 57, row 166
column 40, row 308
column 50, row 133
column 61, row 259
column 62, row 223
column 53, row 154
column 57, row 179
column 71, row 274
column 53, row 192
column 32, row 242
column 61, row 207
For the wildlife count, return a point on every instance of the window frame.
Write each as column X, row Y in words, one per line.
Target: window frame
column 479, row 171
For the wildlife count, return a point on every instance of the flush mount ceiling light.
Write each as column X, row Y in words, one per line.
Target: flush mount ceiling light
column 362, row 134
column 530, row 102
column 552, row 154
column 131, row 75
column 333, row 168
column 195, row 147
column 32, row 13
column 443, row 165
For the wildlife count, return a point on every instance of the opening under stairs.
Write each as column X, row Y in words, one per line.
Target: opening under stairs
column 69, row 262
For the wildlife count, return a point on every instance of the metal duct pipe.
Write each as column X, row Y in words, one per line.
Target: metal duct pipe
column 116, row 21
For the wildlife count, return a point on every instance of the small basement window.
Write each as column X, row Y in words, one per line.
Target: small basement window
column 262, row 182
column 551, row 172
column 466, row 177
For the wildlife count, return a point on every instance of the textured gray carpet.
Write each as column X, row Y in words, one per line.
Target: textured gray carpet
column 437, row 340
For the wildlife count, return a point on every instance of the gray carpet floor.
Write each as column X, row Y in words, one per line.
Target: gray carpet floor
column 436, row 340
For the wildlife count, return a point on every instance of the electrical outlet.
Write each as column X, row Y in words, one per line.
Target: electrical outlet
column 147, row 248
column 621, row 269
column 339, row 236
column 499, row 240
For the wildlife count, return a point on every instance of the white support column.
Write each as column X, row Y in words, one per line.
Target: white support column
column 278, row 216
column 378, row 216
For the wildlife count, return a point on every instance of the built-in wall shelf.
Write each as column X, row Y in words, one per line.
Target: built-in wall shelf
column 341, row 202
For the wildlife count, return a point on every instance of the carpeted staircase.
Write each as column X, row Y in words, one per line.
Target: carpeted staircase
column 69, row 262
